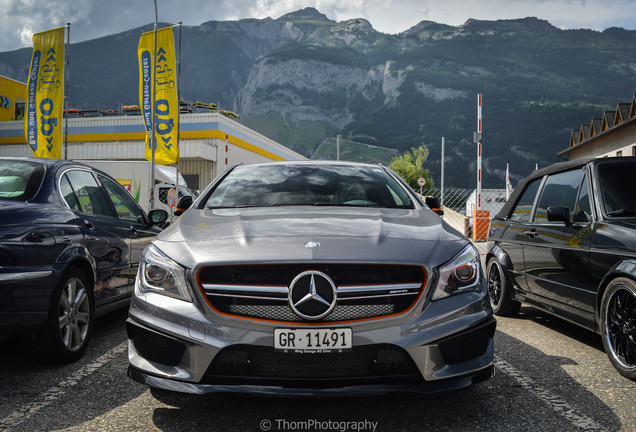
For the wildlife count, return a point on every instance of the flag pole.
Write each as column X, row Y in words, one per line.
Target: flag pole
column 178, row 114
column 66, row 74
column 152, row 116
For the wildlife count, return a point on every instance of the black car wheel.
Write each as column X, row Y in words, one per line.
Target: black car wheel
column 618, row 325
column 65, row 335
column 499, row 290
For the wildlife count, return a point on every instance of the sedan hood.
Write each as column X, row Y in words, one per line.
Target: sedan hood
column 216, row 236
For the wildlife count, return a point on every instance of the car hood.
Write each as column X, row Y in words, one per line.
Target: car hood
column 282, row 234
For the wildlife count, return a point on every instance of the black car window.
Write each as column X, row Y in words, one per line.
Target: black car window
column 125, row 205
column 523, row 209
column 69, row 194
column 20, row 180
column 583, row 210
column 559, row 190
column 617, row 182
column 89, row 194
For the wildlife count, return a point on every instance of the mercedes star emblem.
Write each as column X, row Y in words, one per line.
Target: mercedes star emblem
column 312, row 244
column 312, row 295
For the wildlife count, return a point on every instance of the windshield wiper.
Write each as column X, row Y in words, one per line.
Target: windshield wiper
column 232, row 207
column 622, row 212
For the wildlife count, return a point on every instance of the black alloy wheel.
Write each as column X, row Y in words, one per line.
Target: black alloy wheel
column 499, row 290
column 618, row 325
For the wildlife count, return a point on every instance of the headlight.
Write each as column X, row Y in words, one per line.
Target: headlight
column 459, row 275
column 161, row 275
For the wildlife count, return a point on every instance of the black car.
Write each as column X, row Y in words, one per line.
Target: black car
column 71, row 240
column 565, row 243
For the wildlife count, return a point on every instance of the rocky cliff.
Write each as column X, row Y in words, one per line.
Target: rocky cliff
column 301, row 79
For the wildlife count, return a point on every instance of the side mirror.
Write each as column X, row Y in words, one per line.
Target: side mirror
column 559, row 214
column 184, row 203
column 157, row 216
column 434, row 204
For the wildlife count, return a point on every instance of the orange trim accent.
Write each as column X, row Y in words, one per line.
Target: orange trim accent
column 322, row 324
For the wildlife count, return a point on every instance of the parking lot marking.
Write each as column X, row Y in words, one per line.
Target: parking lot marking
column 554, row 401
column 56, row 392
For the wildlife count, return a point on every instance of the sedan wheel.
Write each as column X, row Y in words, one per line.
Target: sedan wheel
column 65, row 335
column 618, row 321
column 74, row 314
column 499, row 290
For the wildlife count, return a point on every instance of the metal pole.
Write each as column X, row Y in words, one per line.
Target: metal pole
column 153, row 141
column 66, row 73
column 178, row 113
column 337, row 147
column 479, row 132
column 442, row 194
column 507, row 182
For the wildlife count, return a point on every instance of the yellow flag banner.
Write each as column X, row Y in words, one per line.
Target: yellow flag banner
column 165, row 107
column 45, row 104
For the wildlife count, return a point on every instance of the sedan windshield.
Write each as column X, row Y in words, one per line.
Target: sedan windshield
column 19, row 180
column 314, row 185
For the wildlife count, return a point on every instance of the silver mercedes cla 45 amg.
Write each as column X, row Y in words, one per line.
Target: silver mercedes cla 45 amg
column 310, row 278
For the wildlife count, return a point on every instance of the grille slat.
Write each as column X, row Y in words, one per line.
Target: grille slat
column 261, row 291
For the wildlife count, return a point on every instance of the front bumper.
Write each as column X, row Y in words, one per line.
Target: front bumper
column 445, row 346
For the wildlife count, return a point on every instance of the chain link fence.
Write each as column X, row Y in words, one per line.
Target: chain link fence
column 460, row 209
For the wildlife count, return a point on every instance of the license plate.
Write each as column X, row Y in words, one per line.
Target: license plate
column 312, row 340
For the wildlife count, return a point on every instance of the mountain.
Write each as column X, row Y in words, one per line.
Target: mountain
column 302, row 79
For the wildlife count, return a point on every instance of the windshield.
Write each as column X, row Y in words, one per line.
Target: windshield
column 19, row 180
column 616, row 183
column 314, row 185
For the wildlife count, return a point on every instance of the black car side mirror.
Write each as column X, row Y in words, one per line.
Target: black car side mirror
column 559, row 214
column 434, row 204
column 157, row 216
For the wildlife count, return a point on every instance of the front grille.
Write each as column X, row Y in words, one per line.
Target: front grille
column 261, row 291
column 259, row 362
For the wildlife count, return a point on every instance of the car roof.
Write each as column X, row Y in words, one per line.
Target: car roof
column 311, row 163
column 42, row 161
column 552, row 169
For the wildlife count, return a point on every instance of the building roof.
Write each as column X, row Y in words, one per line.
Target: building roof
column 625, row 113
column 596, row 124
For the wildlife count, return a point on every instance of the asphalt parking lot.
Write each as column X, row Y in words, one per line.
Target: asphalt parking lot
column 551, row 376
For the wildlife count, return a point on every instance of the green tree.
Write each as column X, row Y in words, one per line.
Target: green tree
column 410, row 166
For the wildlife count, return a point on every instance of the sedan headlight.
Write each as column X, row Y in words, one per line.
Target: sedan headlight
column 159, row 274
column 459, row 275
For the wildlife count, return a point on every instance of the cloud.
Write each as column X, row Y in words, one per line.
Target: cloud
column 96, row 18
column 26, row 35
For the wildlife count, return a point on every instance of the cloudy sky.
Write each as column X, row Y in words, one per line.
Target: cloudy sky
column 95, row 18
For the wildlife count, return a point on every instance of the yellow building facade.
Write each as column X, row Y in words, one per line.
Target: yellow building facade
column 12, row 98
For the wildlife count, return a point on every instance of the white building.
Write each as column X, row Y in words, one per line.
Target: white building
column 208, row 144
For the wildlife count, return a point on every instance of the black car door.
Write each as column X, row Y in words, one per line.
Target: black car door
column 134, row 221
column 511, row 233
column 556, row 252
column 106, row 237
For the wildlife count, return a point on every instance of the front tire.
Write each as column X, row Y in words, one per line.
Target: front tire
column 618, row 325
column 64, row 337
column 499, row 290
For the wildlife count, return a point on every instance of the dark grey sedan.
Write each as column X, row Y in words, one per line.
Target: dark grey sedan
column 70, row 242
column 310, row 278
